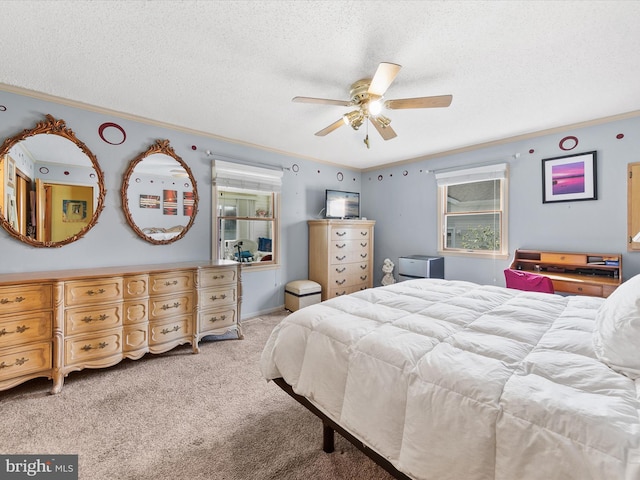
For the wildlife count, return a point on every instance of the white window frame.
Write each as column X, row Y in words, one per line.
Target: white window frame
column 233, row 176
column 474, row 175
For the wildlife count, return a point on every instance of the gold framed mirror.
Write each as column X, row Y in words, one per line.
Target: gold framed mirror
column 159, row 195
column 51, row 185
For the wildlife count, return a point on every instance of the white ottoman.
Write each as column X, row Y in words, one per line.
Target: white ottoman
column 301, row 293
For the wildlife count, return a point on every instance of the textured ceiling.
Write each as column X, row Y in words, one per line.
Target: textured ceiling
column 230, row 68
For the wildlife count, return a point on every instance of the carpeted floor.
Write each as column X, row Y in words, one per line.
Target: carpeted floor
column 179, row 416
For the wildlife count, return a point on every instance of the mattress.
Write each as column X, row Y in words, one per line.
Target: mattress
column 452, row 380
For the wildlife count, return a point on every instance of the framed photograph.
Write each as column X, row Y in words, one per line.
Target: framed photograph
column 11, row 172
column 74, row 211
column 569, row 178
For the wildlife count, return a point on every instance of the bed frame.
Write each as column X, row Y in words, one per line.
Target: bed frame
column 329, row 427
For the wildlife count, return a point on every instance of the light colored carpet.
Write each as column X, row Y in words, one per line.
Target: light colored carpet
column 179, row 416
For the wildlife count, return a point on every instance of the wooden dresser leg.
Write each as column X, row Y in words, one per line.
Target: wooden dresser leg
column 327, row 438
column 58, row 381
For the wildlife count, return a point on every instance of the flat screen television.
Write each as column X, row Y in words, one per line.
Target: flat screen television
column 339, row 204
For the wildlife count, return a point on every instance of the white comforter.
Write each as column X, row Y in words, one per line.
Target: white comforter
column 453, row 380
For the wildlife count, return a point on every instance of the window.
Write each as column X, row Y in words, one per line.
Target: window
column 246, row 206
column 472, row 210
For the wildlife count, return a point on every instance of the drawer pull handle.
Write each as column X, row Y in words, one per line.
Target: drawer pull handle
column 168, row 283
column 363, row 244
column 164, row 331
column 215, row 319
column 215, row 297
column 101, row 345
column 17, row 300
column 363, row 255
column 95, row 292
column 579, row 289
column 341, row 246
column 101, row 318
column 340, row 270
column 363, row 267
column 341, row 282
column 363, row 277
column 18, row 362
column 338, row 294
column 21, row 329
column 166, row 306
column 216, row 277
column 364, row 234
column 341, row 258
column 341, row 234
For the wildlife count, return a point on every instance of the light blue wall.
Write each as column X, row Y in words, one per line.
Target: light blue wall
column 112, row 242
column 405, row 206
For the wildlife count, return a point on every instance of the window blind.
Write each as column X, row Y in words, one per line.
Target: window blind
column 246, row 177
column 471, row 175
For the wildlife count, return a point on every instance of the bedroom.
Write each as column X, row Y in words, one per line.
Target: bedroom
column 402, row 205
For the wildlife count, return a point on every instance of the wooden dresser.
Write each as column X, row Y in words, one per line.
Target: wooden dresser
column 578, row 273
column 54, row 323
column 341, row 255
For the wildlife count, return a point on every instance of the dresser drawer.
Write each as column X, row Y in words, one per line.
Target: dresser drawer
column 346, row 290
column 135, row 311
column 218, row 318
column 350, row 233
column 170, row 306
column 169, row 282
column 349, row 246
column 338, row 258
column 29, row 327
column 563, row 258
column 23, row 298
column 212, row 277
column 347, row 279
column 578, row 288
column 177, row 329
column 348, row 269
column 82, row 320
column 135, row 286
column 214, row 297
column 92, row 347
column 93, row 291
column 15, row 362
column 135, row 337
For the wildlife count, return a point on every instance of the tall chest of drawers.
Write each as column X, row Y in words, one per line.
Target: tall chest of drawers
column 54, row 323
column 341, row 255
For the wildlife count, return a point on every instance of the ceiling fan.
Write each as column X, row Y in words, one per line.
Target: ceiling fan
column 367, row 96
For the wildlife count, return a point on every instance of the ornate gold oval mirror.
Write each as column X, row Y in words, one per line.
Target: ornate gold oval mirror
column 51, row 186
column 159, row 195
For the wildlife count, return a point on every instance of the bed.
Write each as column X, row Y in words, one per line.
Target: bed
column 439, row 379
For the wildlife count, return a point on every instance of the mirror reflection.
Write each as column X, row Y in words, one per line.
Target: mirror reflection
column 51, row 188
column 159, row 195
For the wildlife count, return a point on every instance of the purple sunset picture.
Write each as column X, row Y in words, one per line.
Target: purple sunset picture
column 568, row 178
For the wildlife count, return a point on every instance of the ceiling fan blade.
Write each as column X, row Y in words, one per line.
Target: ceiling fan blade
column 386, row 133
column 330, row 128
column 420, row 102
column 385, row 74
column 323, row 101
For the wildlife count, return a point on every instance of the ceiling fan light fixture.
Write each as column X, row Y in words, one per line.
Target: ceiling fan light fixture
column 383, row 121
column 354, row 118
column 375, row 107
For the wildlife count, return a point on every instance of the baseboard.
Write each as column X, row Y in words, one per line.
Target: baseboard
column 246, row 318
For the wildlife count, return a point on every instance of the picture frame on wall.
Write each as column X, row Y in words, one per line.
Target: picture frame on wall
column 11, row 172
column 569, row 178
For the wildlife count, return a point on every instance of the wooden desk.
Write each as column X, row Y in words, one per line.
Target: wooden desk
column 578, row 273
